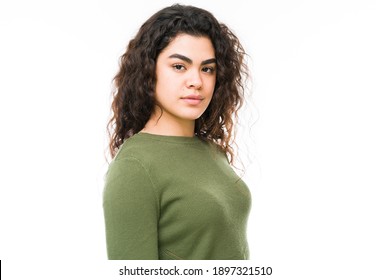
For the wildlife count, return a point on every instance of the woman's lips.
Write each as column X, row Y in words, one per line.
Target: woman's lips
column 192, row 99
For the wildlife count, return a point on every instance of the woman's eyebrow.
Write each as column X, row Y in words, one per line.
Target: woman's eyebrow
column 189, row 60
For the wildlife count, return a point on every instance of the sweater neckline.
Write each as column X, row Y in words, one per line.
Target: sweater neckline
column 168, row 138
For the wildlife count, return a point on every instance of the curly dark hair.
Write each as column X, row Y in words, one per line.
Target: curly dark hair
column 134, row 84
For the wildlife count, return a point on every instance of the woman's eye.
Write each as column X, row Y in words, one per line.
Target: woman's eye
column 178, row 67
column 208, row 69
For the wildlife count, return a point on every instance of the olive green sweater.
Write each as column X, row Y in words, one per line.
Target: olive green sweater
column 172, row 197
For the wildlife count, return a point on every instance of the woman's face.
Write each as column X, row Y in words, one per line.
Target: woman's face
column 186, row 76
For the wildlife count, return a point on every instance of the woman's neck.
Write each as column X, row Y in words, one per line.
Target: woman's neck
column 170, row 126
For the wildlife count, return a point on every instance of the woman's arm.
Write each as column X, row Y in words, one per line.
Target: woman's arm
column 130, row 212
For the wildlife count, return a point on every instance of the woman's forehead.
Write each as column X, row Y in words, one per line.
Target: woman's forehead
column 194, row 47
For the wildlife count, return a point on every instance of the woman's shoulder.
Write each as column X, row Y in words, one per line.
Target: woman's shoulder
column 132, row 159
column 133, row 148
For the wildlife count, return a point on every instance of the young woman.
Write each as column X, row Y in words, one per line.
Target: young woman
column 170, row 191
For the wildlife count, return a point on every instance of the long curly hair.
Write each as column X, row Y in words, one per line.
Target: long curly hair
column 134, row 84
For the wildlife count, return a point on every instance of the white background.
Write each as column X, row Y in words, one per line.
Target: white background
column 318, row 144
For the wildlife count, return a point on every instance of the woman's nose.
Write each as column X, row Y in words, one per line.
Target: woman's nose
column 194, row 80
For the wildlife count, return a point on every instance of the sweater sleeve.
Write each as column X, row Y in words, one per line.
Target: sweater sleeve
column 130, row 212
